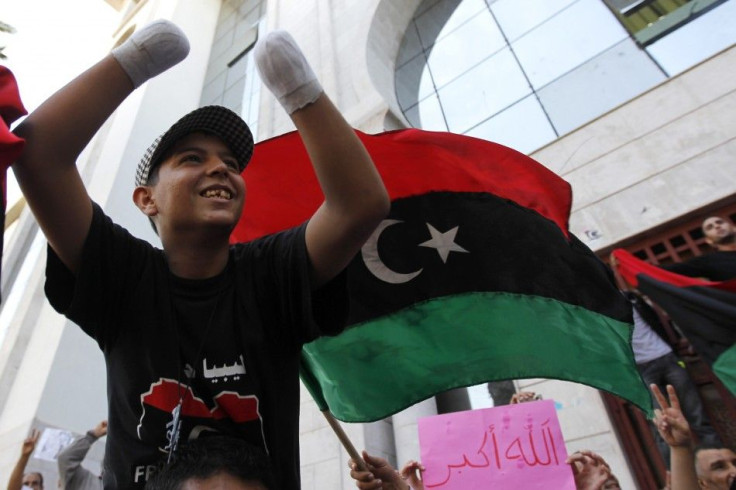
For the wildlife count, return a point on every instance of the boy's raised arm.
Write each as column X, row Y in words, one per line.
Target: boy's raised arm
column 57, row 132
column 355, row 198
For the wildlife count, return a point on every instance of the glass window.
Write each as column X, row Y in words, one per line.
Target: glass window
column 432, row 20
column 517, row 17
column 618, row 75
column 523, row 127
column 236, row 73
column 525, row 71
column 232, row 79
column 212, row 92
column 233, row 96
column 714, row 32
column 428, row 113
column 566, row 40
column 444, row 17
column 226, row 23
column 252, row 94
column 456, row 54
column 483, row 91
column 250, row 15
column 223, row 43
column 648, row 21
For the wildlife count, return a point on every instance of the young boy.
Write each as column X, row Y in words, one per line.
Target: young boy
column 200, row 337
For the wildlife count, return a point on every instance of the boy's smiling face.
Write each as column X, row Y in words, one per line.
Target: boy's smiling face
column 198, row 184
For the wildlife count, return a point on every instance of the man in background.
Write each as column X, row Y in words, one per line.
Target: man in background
column 705, row 467
column 715, row 467
column 72, row 476
column 720, row 233
column 18, row 478
column 660, row 366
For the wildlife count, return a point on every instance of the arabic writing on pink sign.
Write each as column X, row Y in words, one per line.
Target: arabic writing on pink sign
column 512, row 446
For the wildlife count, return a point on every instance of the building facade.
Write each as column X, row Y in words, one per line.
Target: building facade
column 631, row 102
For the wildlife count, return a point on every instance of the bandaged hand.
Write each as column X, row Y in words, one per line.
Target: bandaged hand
column 151, row 50
column 285, row 71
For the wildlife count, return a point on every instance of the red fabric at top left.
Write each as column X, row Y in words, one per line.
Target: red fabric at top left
column 11, row 108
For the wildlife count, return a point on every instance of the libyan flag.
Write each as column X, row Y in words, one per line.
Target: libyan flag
column 705, row 311
column 473, row 277
column 11, row 146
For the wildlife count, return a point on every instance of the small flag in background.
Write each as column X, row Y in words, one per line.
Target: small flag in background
column 704, row 310
column 472, row 277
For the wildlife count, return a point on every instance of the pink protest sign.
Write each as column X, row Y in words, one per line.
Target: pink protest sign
column 512, row 446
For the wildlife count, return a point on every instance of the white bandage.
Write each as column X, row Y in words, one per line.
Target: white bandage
column 285, row 71
column 152, row 50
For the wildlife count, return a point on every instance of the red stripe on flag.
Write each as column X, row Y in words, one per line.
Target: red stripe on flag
column 630, row 267
column 283, row 190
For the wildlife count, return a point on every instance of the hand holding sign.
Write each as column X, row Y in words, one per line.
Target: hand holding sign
column 524, row 397
column 512, row 446
column 411, row 473
column 591, row 471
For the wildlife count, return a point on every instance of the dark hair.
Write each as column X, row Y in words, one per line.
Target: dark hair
column 705, row 447
column 208, row 456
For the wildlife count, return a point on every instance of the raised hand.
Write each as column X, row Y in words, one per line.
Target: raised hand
column 29, row 444
column 380, row 475
column 523, row 397
column 100, row 429
column 591, row 471
column 285, row 71
column 669, row 420
column 152, row 50
column 411, row 473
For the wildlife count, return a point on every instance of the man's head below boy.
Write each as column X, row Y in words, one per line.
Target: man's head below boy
column 191, row 174
column 215, row 462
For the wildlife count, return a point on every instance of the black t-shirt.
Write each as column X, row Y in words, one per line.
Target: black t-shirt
column 226, row 347
column 715, row 266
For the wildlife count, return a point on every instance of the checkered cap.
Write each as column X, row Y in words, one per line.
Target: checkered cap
column 217, row 120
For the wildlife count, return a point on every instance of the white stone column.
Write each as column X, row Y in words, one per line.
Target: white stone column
column 406, row 433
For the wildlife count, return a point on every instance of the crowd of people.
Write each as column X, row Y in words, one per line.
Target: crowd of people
column 219, row 461
column 183, row 302
column 692, row 466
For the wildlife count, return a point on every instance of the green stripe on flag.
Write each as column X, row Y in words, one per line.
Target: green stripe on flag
column 725, row 369
column 383, row 366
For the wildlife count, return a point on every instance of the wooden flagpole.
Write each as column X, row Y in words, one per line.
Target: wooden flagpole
column 345, row 440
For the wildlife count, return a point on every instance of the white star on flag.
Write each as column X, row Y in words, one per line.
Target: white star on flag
column 444, row 243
